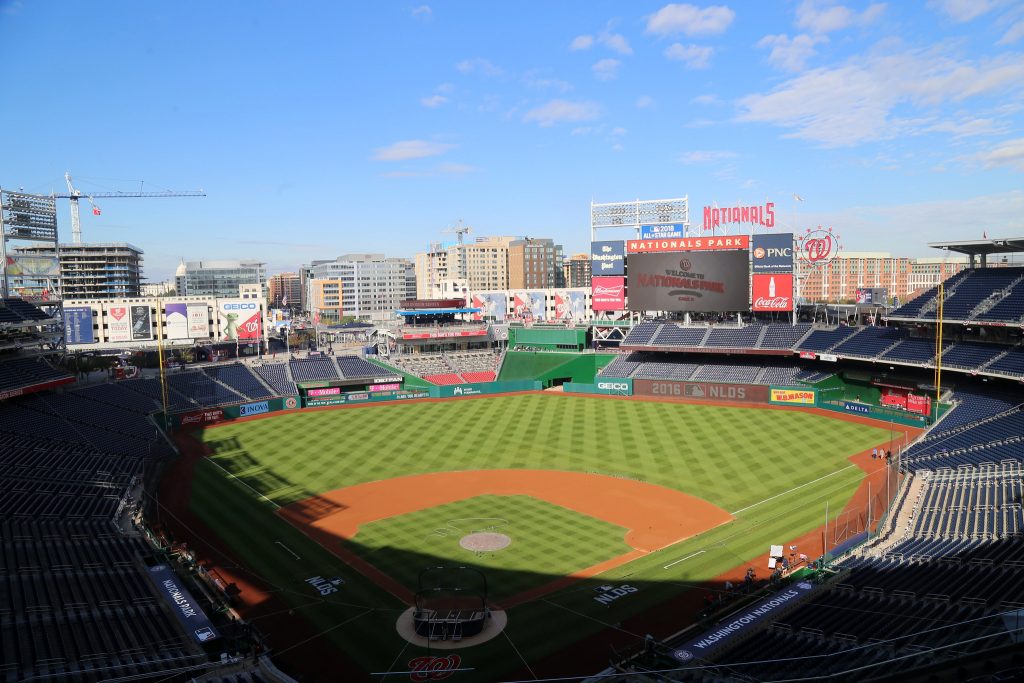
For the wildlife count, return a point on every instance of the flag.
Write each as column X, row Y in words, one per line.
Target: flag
column 95, row 211
column 797, row 197
column 984, row 234
column 284, row 300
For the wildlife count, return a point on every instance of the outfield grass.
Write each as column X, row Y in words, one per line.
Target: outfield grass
column 778, row 470
column 547, row 540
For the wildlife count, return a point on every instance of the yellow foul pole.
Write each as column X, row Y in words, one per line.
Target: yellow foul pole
column 938, row 350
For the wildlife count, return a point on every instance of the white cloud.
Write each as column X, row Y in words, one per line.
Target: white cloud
column 539, row 79
column 433, row 101
column 790, row 54
column 693, row 56
column 455, row 168
column 479, row 65
column 588, row 130
column 856, row 102
column 1009, row 153
column 690, row 20
column 422, row 11
column 618, row 130
column 822, row 16
column 445, row 88
column 644, row 102
column 967, row 127
column 606, row 69
column 582, row 43
column 1013, row 34
column 962, row 10
column 706, row 99
column 615, row 42
column 905, row 229
column 617, row 147
column 558, row 111
column 404, row 150
column 705, row 156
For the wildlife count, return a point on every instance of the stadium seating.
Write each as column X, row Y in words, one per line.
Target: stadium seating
column 24, row 372
column 641, row 334
column 13, row 310
column 1011, row 364
column 868, row 342
column 313, row 369
column 734, row 337
column 444, row 379
column 671, row 334
column 825, row 340
column 355, row 367
column 971, row 292
column 277, row 377
column 970, row 355
column 240, row 379
column 1009, row 308
column 914, row 308
column 915, row 350
column 778, row 336
column 202, row 389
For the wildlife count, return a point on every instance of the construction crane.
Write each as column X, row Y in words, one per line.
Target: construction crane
column 75, row 194
column 458, row 230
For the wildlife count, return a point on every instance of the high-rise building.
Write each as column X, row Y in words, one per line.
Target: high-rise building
column 535, row 264
column 483, row 263
column 364, row 286
column 576, row 270
column 839, row 280
column 285, row 291
column 101, row 270
column 431, row 270
column 218, row 278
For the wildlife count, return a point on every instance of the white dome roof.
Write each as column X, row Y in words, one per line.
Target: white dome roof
column 182, row 270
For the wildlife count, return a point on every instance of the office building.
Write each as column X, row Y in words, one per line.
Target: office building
column 285, row 291
column 576, row 270
column 903, row 277
column 218, row 278
column 362, row 286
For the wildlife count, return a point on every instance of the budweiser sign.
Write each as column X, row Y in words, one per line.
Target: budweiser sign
column 772, row 292
column 608, row 293
column 763, row 216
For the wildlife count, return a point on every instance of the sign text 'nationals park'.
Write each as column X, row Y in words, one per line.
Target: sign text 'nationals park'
column 688, row 244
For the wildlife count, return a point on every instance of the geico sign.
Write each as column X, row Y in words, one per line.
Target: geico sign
column 613, row 386
column 240, row 307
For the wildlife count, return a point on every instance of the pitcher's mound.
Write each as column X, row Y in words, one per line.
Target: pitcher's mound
column 485, row 541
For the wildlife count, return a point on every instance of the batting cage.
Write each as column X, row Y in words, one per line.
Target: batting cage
column 451, row 603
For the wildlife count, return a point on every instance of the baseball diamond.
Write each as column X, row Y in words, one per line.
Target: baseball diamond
column 612, row 508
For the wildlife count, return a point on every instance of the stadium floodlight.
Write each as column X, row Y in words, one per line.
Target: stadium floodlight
column 640, row 212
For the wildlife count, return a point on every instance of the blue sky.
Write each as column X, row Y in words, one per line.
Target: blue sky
column 324, row 128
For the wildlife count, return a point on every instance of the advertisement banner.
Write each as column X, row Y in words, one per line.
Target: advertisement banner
column 142, row 322
column 688, row 244
column 810, row 355
column 569, row 305
column 607, row 258
column 185, row 608
column 919, row 404
column 771, row 292
column 329, row 391
column 797, row 396
column 198, row 321
column 119, row 324
column 608, row 293
column 528, row 305
column 363, row 397
column 201, row 417
column 257, row 408
column 32, row 267
column 705, row 281
column 391, row 386
column 861, row 408
column 445, row 335
column 78, row 325
column 611, row 385
column 702, row 391
column 239, row 319
column 661, row 231
column 492, row 305
column 772, row 253
column 176, row 321
column 830, row 357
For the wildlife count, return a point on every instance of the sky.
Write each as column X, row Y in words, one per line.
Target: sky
column 323, row 128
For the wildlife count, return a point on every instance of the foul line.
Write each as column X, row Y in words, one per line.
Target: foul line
column 795, row 488
column 670, row 564
column 221, row 468
column 288, row 549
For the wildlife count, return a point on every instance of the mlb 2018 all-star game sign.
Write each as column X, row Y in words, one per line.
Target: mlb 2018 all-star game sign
column 818, row 246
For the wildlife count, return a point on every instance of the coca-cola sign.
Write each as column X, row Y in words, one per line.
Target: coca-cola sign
column 771, row 292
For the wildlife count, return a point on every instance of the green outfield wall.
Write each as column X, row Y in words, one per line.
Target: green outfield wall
column 547, row 367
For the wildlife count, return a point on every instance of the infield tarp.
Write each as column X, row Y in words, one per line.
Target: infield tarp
column 690, row 281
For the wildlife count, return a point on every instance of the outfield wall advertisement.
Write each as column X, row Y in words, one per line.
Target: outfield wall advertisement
column 198, row 321
column 119, row 325
column 239, row 319
column 705, row 281
column 78, row 325
column 176, row 321
column 142, row 322
column 805, row 397
column 702, row 391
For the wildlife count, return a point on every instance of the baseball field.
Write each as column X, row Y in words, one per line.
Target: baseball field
column 585, row 515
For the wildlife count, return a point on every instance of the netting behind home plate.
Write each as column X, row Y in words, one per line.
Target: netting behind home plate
column 451, row 603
